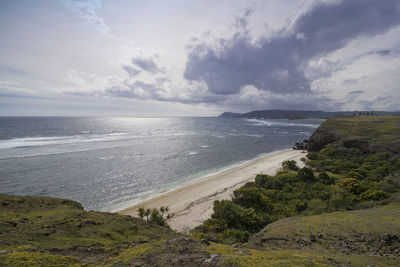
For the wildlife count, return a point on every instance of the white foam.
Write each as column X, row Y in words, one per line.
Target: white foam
column 56, row 140
column 85, row 137
column 258, row 122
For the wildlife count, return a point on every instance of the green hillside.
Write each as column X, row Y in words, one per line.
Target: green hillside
column 367, row 133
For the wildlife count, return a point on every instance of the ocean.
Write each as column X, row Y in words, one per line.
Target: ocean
column 108, row 164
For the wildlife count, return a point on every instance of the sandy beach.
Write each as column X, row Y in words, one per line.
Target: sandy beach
column 192, row 204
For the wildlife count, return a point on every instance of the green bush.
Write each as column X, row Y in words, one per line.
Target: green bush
column 235, row 216
column 351, row 185
column 252, row 197
column 375, row 195
column 306, row 174
column 326, row 179
column 290, row 165
column 232, row 236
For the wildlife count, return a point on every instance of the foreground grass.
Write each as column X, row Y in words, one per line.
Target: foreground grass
column 275, row 256
column 51, row 230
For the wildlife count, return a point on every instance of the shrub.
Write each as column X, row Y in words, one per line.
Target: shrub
column 375, row 195
column 290, row 165
column 316, row 206
column 262, row 180
column 351, row 185
column 341, row 199
column 312, row 155
column 324, row 178
column 301, row 206
column 235, row 216
column 306, row 174
column 231, row 236
column 251, row 197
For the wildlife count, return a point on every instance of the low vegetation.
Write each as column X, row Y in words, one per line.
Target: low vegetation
column 336, row 178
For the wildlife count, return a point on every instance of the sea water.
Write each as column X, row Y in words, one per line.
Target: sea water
column 111, row 163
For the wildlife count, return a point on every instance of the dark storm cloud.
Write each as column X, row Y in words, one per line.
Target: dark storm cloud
column 278, row 65
column 132, row 72
column 356, row 92
column 384, row 53
column 146, row 65
column 351, row 81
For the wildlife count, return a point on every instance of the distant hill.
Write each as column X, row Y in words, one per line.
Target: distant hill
column 299, row 114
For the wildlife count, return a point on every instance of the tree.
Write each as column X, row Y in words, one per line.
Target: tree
column 147, row 213
column 154, row 215
column 141, row 212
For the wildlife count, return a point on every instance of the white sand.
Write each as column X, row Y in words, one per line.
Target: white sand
column 192, row 204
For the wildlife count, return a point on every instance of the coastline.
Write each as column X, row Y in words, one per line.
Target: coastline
column 192, row 203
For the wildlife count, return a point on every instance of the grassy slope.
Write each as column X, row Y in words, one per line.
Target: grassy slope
column 372, row 231
column 47, row 229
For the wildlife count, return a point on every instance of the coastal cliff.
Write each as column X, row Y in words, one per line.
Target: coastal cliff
column 343, row 208
column 368, row 133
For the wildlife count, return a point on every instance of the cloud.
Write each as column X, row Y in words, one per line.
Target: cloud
column 147, row 64
column 292, row 68
column 280, row 64
column 356, row 92
column 87, row 10
column 130, row 70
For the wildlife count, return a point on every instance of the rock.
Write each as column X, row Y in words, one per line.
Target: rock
column 211, row 259
column 321, row 137
column 205, row 241
column 3, row 252
column 387, row 239
column 312, row 238
column 300, row 146
column 13, row 223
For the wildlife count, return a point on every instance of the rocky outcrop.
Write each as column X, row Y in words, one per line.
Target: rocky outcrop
column 320, row 138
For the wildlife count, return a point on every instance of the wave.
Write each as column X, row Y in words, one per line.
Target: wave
column 191, row 153
column 258, row 122
column 84, row 137
column 57, row 140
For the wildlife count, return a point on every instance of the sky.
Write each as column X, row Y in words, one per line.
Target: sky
column 161, row 58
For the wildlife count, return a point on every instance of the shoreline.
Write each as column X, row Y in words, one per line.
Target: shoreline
column 192, row 203
column 194, row 180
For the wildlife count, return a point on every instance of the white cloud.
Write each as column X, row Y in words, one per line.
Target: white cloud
column 88, row 10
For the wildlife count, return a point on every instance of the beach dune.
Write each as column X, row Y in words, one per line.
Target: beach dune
column 192, row 204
